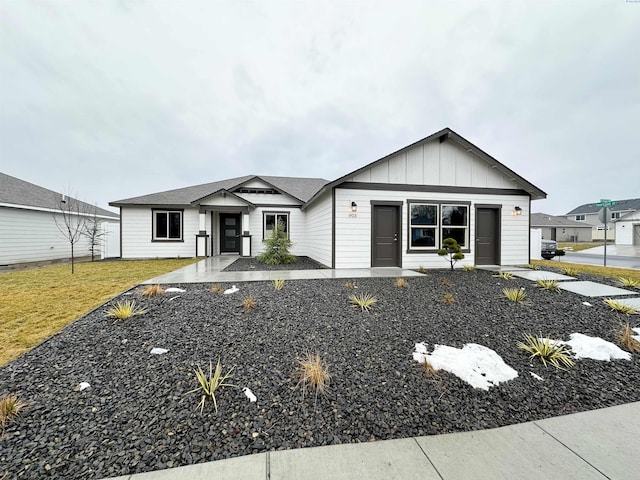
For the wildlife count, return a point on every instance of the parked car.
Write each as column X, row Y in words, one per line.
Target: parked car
column 549, row 249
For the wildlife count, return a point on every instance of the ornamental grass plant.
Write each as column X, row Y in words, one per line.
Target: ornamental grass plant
column 547, row 351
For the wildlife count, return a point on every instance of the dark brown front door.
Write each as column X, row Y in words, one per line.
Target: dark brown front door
column 487, row 236
column 230, row 233
column 386, row 240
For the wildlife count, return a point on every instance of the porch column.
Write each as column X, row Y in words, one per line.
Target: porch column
column 202, row 226
column 246, row 236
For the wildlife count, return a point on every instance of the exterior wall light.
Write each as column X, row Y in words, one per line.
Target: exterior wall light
column 354, row 207
column 517, row 210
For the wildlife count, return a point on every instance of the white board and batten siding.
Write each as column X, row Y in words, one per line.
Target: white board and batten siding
column 627, row 230
column 137, row 234
column 317, row 239
column 353, row 233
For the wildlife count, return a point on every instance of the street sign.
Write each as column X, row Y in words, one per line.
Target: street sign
column 604, row 214
column 605, row 202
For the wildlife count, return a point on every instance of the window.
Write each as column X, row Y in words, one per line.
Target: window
column 431, row 223
column 580, row 218
column 167, row 225
column 271, row 219
column 615, row 215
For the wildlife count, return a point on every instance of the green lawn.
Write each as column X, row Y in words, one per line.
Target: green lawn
column 39, row 302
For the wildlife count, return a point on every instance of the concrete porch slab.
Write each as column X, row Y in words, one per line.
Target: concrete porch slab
column 592, row 289
column 631, row 302
column 535, row 275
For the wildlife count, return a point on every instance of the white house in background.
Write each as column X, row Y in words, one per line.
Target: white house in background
column 393, row 212
column 628, row 229
column 560, row 229
column 28, row 231
column 589, row 214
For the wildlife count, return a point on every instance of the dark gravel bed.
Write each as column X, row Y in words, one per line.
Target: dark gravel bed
column 137, row 415
column 252, row 264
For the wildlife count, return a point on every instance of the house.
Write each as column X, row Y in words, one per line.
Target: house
column 589, row 214
column 560, row 229
column 393, row 212
column 29, row 219
column 627, row 229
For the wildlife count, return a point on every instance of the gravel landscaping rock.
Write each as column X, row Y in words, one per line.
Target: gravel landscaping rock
column 139, row 416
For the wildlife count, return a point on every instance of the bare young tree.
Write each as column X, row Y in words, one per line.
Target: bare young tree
column 93, row 233
column 71, row 222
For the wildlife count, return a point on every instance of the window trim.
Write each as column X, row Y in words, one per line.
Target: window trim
column 583, row 219
column 439, row 227
column 266, row 235
column 167, row 211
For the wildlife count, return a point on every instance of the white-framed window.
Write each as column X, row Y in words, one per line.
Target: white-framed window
column 271, row 219
column 615, row 215
column 167, row 225
column 431, row 222
column 580, row 218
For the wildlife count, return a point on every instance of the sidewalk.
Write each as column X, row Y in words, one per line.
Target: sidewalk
column 600, row 444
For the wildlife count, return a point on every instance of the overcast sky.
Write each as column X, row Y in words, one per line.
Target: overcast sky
column 115, row 99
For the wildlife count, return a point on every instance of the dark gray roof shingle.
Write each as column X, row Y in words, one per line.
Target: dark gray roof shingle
column 19, row 192
column 620, row 206
column 545, row 220
column 301, row 188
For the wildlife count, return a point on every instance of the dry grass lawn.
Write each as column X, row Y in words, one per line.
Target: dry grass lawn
column 37, row 303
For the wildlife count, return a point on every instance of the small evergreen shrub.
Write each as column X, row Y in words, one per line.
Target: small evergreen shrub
column 451, row 250
column 277, row 248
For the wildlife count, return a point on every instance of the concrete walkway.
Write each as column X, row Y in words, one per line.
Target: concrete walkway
column 600, row 444
column 210, row 270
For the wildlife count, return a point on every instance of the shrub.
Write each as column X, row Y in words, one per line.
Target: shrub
column 542, row 348
column 505, row 275
column 126, row 309
column 216, row 288
column 618, row 306
column 401, row 282
column 469, row 268
column 451, row 250
column 152, row 290
column 350, row 285
column 277, row 248
column 567, row 270
column 628, row 282
column 516, row 295
column 209, row 384
column 428, row 368
column 10, row 408
column 313, row 373
column 551, row 285
column 625, row 338
column 248, row 303
column 448, row 298
column 364, row 301
column 447, row 283
column 532, row 266
column 560, row 252
column 278, row 284
column 421, row 269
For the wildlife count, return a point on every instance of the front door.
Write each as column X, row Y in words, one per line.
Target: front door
column 230, row 233
column 487, row 236
column 386, row 241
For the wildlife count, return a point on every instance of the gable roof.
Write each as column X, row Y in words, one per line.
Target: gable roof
column 301, row 189
column 443, row 135
column 621, row 205
column 545, row 220
column 14, row 191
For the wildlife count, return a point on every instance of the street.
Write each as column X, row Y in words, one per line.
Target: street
column 598, row 259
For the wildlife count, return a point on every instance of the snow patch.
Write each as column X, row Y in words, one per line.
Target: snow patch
column 174, row 290
column 584, row 346
column 249, row 394
column 476, row 364
column 537, row 377
column 587, row 304
column 158, row 351
column 233, row 289
column 82, row 386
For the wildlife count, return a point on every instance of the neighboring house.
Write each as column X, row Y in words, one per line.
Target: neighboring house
column 589, row 214
column 627, row 229
column 28, row 230
column 560, row 228
column 393, row 212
